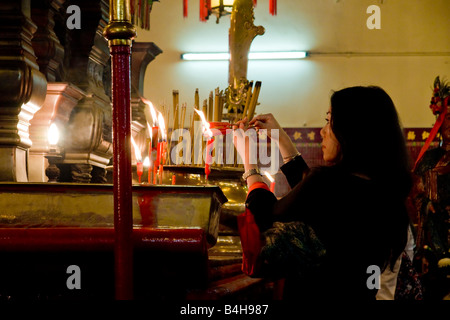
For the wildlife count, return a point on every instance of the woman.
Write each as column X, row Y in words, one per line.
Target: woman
column 355, row 205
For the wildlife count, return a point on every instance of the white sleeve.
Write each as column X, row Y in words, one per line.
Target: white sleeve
column 388, row 282
column 388, row 279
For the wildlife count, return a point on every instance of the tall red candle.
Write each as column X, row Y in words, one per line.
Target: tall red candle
column 155, row 154
column 140, row 170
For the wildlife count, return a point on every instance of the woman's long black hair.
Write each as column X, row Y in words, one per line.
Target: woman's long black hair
column 365, row 122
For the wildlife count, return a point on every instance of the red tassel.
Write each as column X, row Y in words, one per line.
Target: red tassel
column 273, row 7
column 203, row 10
column 185, row 8
column 254, row 2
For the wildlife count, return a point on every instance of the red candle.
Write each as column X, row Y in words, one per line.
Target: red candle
column 146, row 166
column 221, row 127
column 150, row 158
column 140, row 170
column 163, row 159
column 173, row 179
column 155, row 154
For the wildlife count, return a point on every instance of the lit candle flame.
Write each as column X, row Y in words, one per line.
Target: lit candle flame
column 137, row 152
column 269, row 176
column 152, row 111
column 146, row 162
column 149, row 129
column 53, row 134
column 205, row 124
column 162, row 126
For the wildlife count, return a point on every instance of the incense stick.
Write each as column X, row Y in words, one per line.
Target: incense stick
column 216, row 106
column 248, row 99
column 210, row 116
column 254, row 101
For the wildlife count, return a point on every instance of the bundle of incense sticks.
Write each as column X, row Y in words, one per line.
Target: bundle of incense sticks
column 176, row 104
column 248, row 99
column 175, row 109
column 212, row 109
column 252, row 100
column 216, row 106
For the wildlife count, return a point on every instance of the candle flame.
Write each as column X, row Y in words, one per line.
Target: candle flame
column 205, row 124
column 149, row 128
column 269, row 176
column 162, row 126
column 137, row 152
column 152, row 111
column 146, row 162
column 53, row 134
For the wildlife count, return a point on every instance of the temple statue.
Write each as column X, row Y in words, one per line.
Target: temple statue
column 432, row 200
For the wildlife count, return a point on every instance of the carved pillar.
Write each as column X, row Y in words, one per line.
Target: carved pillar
column 89, row 131
column 22, row 89
column 61, row 98
column 47, row 47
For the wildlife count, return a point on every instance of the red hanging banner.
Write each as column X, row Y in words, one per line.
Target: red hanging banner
column 185, row 8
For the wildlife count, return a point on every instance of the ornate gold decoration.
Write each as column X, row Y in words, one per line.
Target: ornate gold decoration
column 241, row 34
column 119, row 30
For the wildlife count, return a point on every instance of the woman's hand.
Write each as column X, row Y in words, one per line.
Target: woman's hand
column 268, row 122
column 265, row 121
column 241, row 140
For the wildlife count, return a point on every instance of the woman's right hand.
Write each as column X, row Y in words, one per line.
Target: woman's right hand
column 265, row 121
column 268, row 122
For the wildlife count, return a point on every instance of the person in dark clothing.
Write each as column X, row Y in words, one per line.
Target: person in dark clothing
column 355, row 204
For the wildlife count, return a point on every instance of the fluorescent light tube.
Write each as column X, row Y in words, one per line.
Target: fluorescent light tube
column 280, row 55
column 205, row 56
column 277, row 55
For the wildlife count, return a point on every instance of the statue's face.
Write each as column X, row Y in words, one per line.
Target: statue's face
column 445, row 128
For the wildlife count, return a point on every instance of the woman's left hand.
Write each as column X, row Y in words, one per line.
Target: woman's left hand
column 242, row 142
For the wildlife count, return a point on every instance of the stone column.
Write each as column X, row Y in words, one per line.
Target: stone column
column 22, row 90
